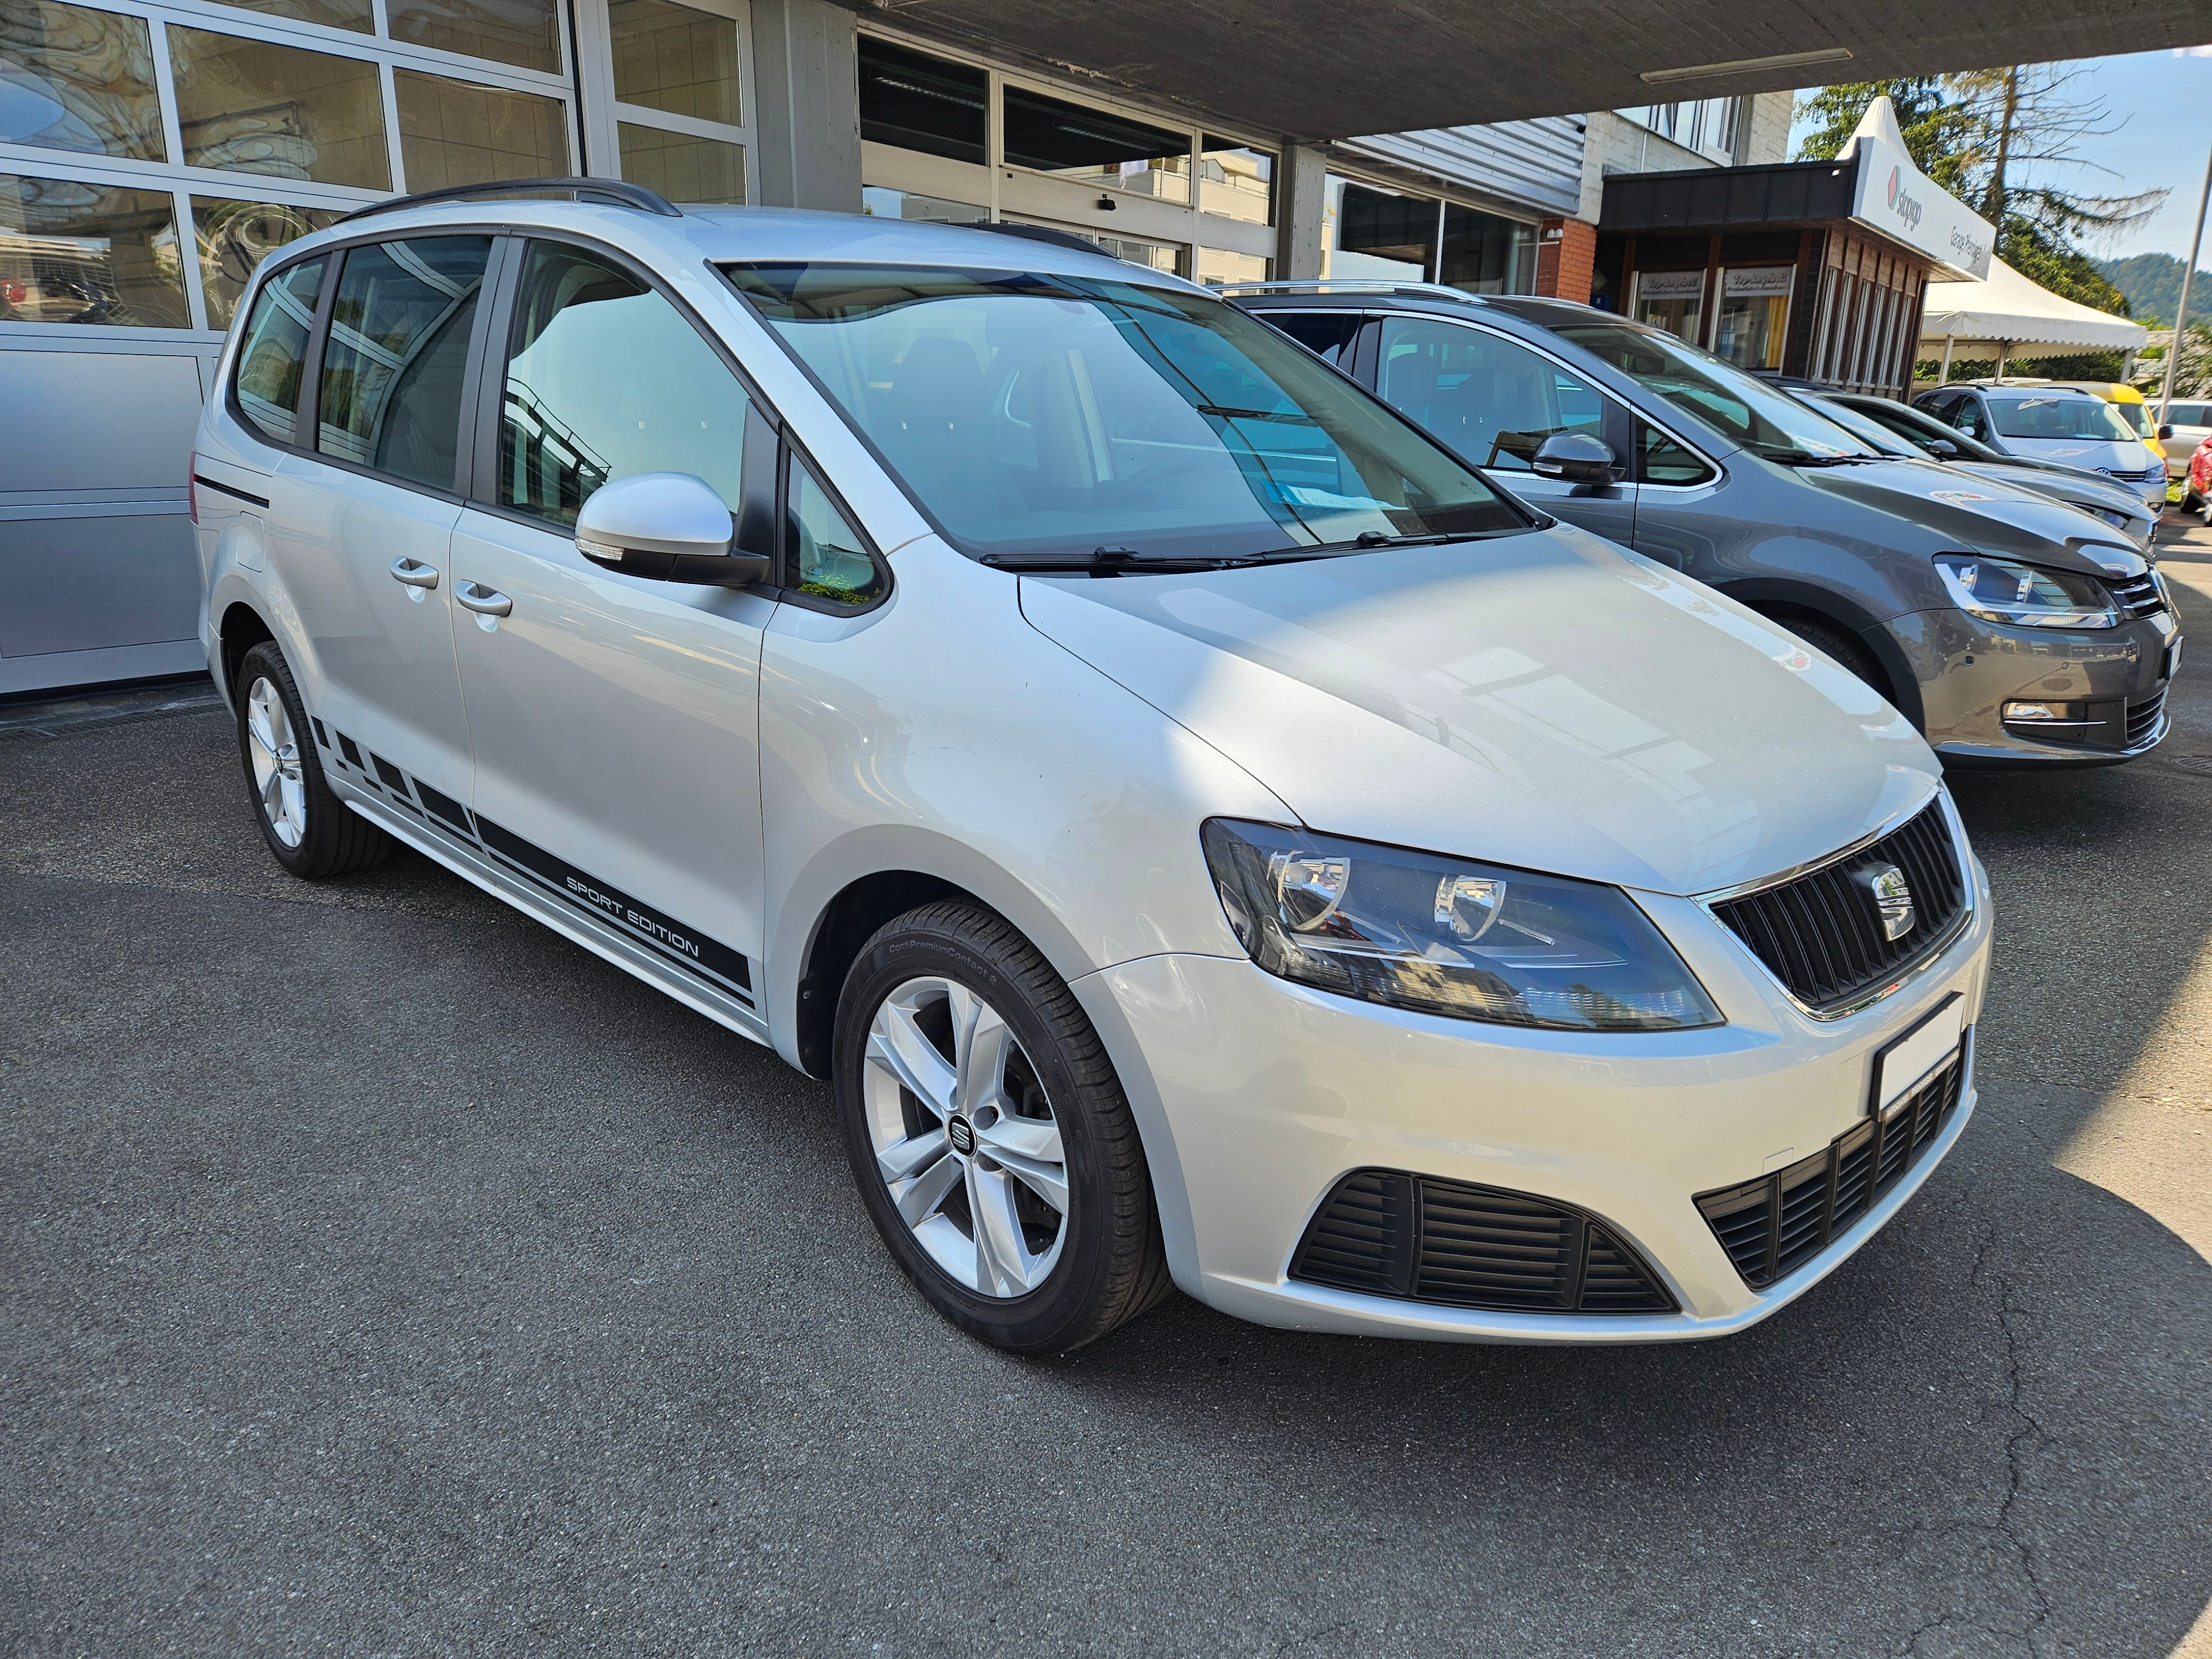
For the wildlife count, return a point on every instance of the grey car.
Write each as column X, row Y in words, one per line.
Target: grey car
column 2010, row 628
column 2043, row 423
column 1902, row 430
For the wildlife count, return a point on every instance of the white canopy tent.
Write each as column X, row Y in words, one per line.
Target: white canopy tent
column 2007, row 310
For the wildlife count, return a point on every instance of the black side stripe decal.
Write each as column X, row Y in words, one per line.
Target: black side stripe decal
column 394, row 779
column 445, row 807
column 708, row 957
column 257, row 501
column 321, row 736
column 347, row 747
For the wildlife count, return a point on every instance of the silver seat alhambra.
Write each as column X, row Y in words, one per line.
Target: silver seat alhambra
column 1205, row 835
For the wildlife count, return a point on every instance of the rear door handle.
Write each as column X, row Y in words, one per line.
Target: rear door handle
column 413, row 573
column 484, row 601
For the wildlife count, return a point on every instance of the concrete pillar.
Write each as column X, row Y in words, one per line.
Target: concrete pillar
column 806, row 77
column 1301, row 195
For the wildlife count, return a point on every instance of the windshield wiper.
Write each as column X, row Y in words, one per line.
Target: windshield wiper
column 1367, row 540
column 1127, row 561
column 1292, row 416
column 1806, row 457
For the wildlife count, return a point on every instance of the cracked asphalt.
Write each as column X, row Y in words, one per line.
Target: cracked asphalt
column 385, row 1275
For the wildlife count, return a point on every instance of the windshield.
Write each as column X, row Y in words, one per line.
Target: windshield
column 1038, row 415
column 1865, row 427
column 1763, row 420
column 2059, row 417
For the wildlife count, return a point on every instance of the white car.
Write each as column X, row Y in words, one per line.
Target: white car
column 1204, row 832
column 2055, row 424
column 2186, row 427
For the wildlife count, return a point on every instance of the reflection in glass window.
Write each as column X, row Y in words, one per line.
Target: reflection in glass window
column 681, row 167
column 1376, row 234
column 275, row 345
column 524, row 33
column 76, row 79
column 1491, row 399
column 911, row 100
column 883, row 203
column 676, row 58
column 828, row 559
column 1107, row 152
column 1487, row 253
column 73, row 253
column 1748, row 328
column 1217, row 267
column 356, row 14
column 578, row 411
column 255, row 107
column 1034, row 415
column 1660, row 460
column 391, row 395
column 455, row 132
column 234, row 237
column 1235, row 181
column 1153, row 256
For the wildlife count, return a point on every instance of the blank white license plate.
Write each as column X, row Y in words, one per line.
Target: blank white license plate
column 1910, row 1057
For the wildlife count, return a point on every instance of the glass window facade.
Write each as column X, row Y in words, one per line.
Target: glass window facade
column 524, row 33
column 681, row 167
column 1093, row 148
column 1377, row 233
column 73, row 253
column 73, row 78
column 1236, row 180
column 1486, row 252
column 679, row 59
column 249, row 106
column 912, row 100
column 882, row 203
column 232, row 237
column 461, row 132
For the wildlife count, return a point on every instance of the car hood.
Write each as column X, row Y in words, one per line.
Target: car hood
column 1548, row 701
column 2097, row 454
column 1970, row 515
column 2085, row 489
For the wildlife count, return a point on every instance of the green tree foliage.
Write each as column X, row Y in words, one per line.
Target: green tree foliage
column 2003, row 141
column 2152, row 283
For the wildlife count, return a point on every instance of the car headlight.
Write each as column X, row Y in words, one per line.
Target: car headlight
column 2023, row 595
column 1448, row 936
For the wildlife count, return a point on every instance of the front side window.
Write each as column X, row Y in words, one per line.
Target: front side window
column 606, row 378
column 827, row 557
column 275, row 346
column 1327, row 334
column 1746, row 411
column 1660, row 460
column 1491, row 399
column 399, row 343
column 1966, row 414
column 2059, row 417
column 1056, row 416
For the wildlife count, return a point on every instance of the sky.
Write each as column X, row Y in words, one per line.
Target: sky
column 2160, row 105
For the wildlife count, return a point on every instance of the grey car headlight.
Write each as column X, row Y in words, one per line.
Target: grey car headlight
column 2025, row 595
column 1448, row 936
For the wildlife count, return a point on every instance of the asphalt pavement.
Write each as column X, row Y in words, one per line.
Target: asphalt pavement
column 385, row 1275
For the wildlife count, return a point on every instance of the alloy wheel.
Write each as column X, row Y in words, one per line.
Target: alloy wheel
column 964, row 1137
column 276, row 752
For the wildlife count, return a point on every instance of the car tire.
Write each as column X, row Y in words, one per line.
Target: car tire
column 311, row 832
column 1845, row 646
column 973, row 1091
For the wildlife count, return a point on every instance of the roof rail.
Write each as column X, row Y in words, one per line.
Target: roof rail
column 613, row 191
column 1351, row 285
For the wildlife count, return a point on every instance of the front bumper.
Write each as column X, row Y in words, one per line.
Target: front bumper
column 1968, row 669
column 1260, row 1095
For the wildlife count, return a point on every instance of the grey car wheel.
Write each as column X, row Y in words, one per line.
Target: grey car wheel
column 311, row 832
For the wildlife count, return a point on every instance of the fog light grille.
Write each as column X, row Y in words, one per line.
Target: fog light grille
column 1387, row 1233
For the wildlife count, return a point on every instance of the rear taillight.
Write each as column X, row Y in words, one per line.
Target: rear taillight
column 192, row 486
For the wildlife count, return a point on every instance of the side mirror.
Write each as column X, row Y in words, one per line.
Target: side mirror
column 1944, row 450
column 665, row 526
column 2164, row 433
column 1576, row 457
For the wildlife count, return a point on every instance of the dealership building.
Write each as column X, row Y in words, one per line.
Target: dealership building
column 152, row 151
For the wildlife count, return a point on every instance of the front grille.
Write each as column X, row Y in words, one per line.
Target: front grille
column 1386, row 1233
column 2142, row 717
column 1822, row 934
column 2124, row 475
column 1775, row 1225
column 2138, row 597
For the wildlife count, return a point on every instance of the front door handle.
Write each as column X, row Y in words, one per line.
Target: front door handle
column 484, row 601
column 413, row 573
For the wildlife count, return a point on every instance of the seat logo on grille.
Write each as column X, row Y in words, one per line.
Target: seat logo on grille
column 1893, row 897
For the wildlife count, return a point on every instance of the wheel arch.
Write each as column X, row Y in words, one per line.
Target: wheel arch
column 1780, row 601
column 242, row 629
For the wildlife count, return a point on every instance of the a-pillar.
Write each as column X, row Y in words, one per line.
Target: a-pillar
column 1566, row 255
column 806, row 78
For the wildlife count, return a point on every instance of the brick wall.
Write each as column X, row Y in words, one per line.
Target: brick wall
column 1565, row 249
